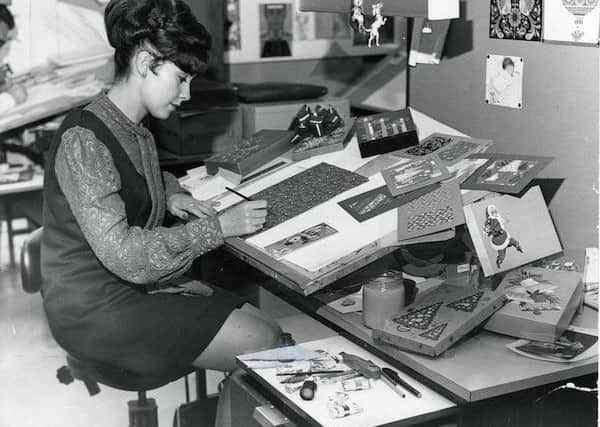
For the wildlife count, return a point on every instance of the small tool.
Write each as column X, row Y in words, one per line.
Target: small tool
column 332, row 371
column 308, row 390
column 238, row 194
column 393, row 375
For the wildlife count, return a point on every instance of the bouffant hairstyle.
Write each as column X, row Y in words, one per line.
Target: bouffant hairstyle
column 166, row 28
column 7, row 17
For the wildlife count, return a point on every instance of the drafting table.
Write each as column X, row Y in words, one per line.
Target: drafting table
column 61, row 90
column 344, row 252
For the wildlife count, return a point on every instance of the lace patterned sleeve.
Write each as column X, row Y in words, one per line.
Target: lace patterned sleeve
column 90, row 182
column 172, row 185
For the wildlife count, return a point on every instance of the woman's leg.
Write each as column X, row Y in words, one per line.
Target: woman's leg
column 246, row 330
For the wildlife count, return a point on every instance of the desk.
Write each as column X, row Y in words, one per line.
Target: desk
column 11, row 193
column 307, row 282
column 479, row 369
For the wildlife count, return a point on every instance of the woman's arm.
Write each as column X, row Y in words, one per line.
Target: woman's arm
column 172, row 185
column 91, row 184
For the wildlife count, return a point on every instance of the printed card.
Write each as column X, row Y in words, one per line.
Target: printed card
column 413, row 175
column 505, row 173
column 300, row 240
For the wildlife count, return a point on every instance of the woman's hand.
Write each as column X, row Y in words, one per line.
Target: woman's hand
column 182, row 205
column 245, row 218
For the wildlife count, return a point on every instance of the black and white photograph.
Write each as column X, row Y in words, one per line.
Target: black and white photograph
column 504, row 81
column 147, row 282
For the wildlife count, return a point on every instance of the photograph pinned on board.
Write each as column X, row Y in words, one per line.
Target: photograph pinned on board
column 332, row 26
column 572, row 22
column 505, row 173
column 508, row 232
column 504, row 81
column 516, row 19
column 276, row 29
column 574, row 345
column 300, row 240
column 414, row 174
column 304, row 26
column 233, row 34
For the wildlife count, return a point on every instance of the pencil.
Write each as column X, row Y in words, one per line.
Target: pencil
column 332, row 371
column 238, row 194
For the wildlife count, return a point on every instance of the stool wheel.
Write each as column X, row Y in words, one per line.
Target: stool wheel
column 64, row 375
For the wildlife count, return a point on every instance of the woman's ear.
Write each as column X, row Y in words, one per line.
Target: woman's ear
column 142, row 62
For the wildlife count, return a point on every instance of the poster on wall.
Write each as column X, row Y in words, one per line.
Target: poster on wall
column 504, row 81
column 274, row 30
column 233, row 39
column 572, row 22
column 516, row 19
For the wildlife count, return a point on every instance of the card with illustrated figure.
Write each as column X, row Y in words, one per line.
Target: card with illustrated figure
column 448, row 148
column 379, row 200
column 434, row 211
column 299, row 193
column 508, row 232
column 439, row 318
column 541, row 305
column 414, row 174
column 300, row 240
column 505, row 173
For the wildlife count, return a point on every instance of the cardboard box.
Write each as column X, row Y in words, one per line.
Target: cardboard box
column 279, row 115
column 252, row 153
column 542, row 303
column 386, row 132
column 439, row 318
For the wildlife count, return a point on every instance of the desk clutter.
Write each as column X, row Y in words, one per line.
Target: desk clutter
column 333, row 382
column 325, row 209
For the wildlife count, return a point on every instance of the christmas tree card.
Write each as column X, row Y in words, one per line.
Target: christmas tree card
column 439, row 318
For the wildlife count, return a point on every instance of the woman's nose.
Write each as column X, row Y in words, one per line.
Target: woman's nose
column 184, row 92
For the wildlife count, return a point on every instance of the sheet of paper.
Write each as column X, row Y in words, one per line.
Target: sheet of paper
column 591, row 268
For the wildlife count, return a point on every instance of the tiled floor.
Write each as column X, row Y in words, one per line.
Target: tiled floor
column 31, row 396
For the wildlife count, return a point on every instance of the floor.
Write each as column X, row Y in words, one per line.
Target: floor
column 30, row 394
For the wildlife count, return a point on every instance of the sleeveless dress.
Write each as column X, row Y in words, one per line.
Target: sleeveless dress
column 97, row 310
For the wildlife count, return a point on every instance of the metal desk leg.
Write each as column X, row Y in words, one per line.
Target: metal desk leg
column 8, row 217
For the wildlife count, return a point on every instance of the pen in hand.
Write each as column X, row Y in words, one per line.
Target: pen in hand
column 238, row 194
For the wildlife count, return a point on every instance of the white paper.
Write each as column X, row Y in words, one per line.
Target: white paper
column 591, row 268
column 295, row 352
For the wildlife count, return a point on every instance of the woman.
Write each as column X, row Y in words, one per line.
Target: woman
column 11, row 94
column 106, row 256
column 500, row 239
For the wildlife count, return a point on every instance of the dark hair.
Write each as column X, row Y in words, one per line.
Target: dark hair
column 167, row 26
column 506, row 62
column 7, row 16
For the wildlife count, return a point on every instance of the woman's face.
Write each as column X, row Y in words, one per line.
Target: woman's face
column 164, row 89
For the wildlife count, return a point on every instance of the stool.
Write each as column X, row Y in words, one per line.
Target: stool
column 143, row 411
